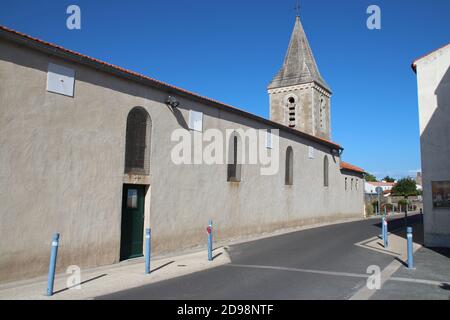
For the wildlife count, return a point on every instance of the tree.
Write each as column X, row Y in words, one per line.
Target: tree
column 388, row 179
column 405, row 187
column 370, row 178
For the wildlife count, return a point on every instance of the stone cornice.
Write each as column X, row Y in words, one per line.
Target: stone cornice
column 290, row 88
column 303, row 86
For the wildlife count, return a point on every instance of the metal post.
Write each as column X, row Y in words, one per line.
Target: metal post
column 382, row 228
column 52, row 266
column 409, row 238
column 386, row 239
column 210, row 240
column 147, row 250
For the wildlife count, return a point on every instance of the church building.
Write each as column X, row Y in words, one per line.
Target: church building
column 86, row 150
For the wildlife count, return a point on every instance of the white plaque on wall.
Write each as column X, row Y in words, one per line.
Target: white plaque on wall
column 60, row 79
column 311, row 152
column 195, row 120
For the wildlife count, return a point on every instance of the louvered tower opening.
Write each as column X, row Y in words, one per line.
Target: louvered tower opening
column 291, row 112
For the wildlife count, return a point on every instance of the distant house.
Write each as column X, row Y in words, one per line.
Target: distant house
column 370, row 187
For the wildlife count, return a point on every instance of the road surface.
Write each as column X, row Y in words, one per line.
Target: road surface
column 319, row 263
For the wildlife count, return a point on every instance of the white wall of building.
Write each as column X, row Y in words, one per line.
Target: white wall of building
column 433, row 82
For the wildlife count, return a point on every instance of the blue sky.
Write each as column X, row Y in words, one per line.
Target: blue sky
column 230, row 50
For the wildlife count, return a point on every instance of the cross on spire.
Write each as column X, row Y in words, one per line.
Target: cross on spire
column 297, row 8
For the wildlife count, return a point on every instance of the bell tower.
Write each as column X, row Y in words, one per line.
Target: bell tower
column 299, row 96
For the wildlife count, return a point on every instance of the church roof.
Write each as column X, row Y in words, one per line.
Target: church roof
column 299, row 64
column 350, row 167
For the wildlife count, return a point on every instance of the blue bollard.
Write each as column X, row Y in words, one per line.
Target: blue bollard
column 147, row 250
column 386, row 237
column 52, row 266
column 409, row 238
column 210, row 240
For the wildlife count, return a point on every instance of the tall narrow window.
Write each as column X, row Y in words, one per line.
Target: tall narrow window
column 322, row 115
column 346, row 184
column 325, row 171
column 291, row 111
column 289, row 169
column 234, row 167
column 269, row 139
column 137, row 147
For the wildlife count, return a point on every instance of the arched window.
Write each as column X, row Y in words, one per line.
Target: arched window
column 234, row 165
column 289, row 168
column 325, row 171
column 138, row 137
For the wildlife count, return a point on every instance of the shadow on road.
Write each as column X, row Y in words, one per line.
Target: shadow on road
column 162, row 266
column 397, row 225
column 217, row 255
column 442, row 251
column 83, row 282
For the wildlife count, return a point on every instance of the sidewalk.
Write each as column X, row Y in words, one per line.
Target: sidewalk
column 429, row 280
column 105, row 280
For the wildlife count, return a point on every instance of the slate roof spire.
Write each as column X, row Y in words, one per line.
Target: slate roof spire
column 299, row 64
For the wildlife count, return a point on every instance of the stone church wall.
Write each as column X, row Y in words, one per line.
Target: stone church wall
column 62, row 170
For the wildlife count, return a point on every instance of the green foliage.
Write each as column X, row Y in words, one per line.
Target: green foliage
column 370, row 211
column 375, row 206
column 405, row 187
column 370, row 178
column 388, row 179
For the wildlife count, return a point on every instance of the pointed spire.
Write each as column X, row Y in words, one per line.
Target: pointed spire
column 299, row 64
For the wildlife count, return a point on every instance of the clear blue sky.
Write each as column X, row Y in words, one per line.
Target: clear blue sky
column 230, row 50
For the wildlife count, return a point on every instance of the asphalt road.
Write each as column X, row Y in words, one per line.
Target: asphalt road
column 319, row 263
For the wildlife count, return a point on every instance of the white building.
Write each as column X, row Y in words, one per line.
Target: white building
column 370, row 187
column 433, row 82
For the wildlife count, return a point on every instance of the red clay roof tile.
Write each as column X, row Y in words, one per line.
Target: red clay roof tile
column 348, row 166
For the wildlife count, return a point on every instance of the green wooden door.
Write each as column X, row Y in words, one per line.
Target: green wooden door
column 132, row 222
